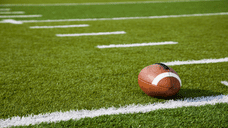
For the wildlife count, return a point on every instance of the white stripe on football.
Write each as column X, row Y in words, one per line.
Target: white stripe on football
column 163, row 75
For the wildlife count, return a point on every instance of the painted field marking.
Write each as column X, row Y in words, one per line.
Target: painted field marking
column 15, row 12
column 20, row 16
column 12, row 21
column 203, row 61
column 79, row 114
column 128, row 18
column 91, row 34
column 224, row 82
column 122, row 18
column 135, row 45
column 60, row 26
column 4, row 9
column 106, row 3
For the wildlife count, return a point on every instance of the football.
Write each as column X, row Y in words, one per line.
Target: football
column 159, row 80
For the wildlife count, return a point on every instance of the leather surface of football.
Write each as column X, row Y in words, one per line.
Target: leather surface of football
column 159, row 80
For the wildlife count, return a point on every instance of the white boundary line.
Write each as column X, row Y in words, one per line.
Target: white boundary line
column 4, row 9
column 224, row 82
column 91, row 34
column 136, row 44
column 15, row 12
column 60, row 26
column 20, row 16
column 119, row 18
column 204, row 61
column 105, row 3
column 79, row 114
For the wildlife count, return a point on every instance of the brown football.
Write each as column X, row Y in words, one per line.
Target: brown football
column 159, row 80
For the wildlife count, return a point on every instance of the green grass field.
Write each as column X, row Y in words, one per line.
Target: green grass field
column 181, row 117
column 71, row 1
column 123, row 10
column 43, row 73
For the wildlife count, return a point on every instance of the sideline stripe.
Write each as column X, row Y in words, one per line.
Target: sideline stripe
column 165, row 74
column 224, row 82
column 4, row 9
column 204, row 61
column 16, row 12
column 20, row 16
column 123, row 18
column 106, row 3
column 60, row 26
column 78, row 114
column 135, row 45
column 91, row 34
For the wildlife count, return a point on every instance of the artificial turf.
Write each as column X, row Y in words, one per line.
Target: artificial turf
column 42, row 73
column 208, row 116
column 75, row 1
column 122, row 10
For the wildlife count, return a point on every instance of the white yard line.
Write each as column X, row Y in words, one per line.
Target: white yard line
column 104, row 3
column 20, row 16
column 224, row 82
column 79, row 114
column 4, row 9
column 91, row 34
column 11, row 21
column 136, row 44
column 60, row 26
column 15, row 12
column 203, row 61
column 122, row 18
